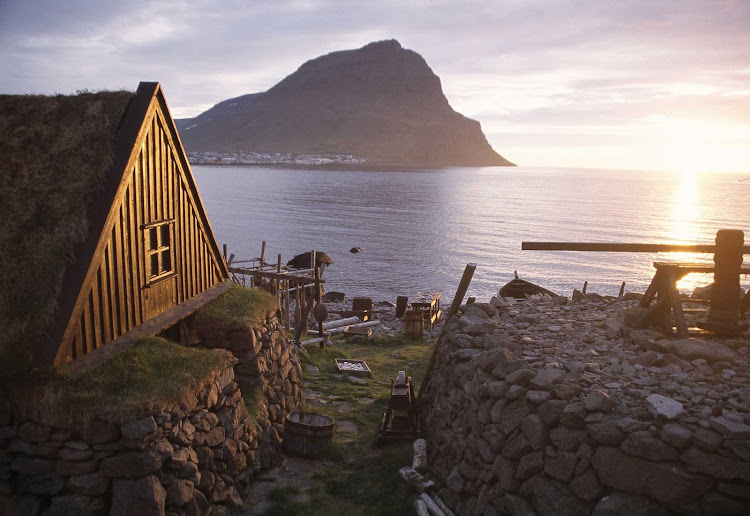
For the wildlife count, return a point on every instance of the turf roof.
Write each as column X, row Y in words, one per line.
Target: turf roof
column 55, row 153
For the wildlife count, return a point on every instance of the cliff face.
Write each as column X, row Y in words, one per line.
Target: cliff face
column 380, row 102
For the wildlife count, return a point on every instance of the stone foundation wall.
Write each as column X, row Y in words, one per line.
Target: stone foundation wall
column 266, row 361
column 557, row 408
column 192, row 459
column 188, row 460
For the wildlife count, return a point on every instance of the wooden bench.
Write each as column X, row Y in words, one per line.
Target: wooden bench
column 664, row 288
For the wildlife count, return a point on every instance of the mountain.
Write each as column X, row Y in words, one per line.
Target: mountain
column 381, row 102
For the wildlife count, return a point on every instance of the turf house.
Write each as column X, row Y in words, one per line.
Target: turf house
column 103, row 237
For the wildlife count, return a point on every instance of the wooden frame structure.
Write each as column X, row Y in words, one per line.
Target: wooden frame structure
column 728, row 251
column 150, row 246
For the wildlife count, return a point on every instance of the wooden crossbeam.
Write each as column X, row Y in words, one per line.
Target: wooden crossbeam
column 622, row 248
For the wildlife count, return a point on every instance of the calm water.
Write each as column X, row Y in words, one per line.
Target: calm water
column 418, row 229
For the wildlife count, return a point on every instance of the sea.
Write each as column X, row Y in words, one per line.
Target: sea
column 418, row 229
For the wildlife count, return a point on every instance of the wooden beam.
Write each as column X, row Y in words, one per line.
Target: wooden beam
column 151, row 327
column 275, row 275
column 621, row 248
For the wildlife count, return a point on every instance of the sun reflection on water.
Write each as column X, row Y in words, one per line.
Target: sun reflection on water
column 684, row 228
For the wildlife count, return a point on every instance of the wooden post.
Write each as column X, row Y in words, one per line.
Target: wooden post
column 225, row 251
column 286, row 305
column 724, row 312
column 463, row 286
column 583, row 290
column 263, row 254
column 622, row 290
column 276, row 281
column 312, row 259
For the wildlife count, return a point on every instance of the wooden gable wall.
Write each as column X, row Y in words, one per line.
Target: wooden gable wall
column 157, row 249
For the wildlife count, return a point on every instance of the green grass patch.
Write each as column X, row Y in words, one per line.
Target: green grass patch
column 252, row 395
column 153, row 374
column 238, row 307
column 359, row 477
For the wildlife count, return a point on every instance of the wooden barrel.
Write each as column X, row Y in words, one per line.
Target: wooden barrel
column 413, row 325
column 307, row 434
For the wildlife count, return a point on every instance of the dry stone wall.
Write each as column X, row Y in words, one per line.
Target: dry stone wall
column 555, row 408
column 189, row 459
column 266, row 362
column 193, row 459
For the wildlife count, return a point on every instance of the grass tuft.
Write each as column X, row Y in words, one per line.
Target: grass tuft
column 238, row 307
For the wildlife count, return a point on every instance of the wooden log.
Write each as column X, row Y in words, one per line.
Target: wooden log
column 420, row 454
column 440, row 503
column 341, row 322
column 421, row 507
column 316, row 340
column 419, row 483
column 342, row 329
column 431, row 505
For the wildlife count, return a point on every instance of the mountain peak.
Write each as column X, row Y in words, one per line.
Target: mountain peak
column 380, row 102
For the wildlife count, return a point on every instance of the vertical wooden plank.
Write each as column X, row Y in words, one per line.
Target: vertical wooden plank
column 106, row 309
column 193, row 253
column 88, row 330
column 114, row 301
column 77, row 346
column 97, row 309
column 158, row 172
column 164, row 173
column 120, row 268
column 129, row 262
column 152, row 193
column 137, row 240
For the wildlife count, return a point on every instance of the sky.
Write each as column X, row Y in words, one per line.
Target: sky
column 631, row 84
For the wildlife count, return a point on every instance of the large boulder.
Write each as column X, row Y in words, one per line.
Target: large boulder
column 302, row 261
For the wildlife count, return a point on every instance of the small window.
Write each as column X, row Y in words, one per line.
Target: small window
column 159, row 249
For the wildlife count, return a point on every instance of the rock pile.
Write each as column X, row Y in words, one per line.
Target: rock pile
column 189, row 460
column 559, row 408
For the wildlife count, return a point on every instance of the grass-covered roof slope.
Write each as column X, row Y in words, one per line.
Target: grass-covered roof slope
column 154, row 374
column 55, row 153
column 238, row 307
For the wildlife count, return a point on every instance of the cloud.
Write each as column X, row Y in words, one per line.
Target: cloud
column 530, row 65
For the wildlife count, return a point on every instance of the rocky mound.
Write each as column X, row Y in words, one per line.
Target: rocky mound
column 558, row 408
column 381, row 102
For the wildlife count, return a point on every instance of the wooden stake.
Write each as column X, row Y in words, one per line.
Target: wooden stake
column 622, row 290
column 225, row 251
column 583, row 290
column 263, row 254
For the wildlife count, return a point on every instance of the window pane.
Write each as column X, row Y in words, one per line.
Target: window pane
column 166, row 261
column 154, row 264
column 153, row 242
column 164, row 235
